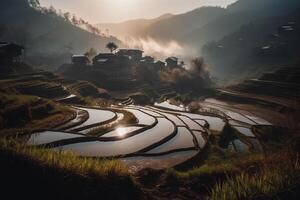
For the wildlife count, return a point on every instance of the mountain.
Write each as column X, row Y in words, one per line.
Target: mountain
column 131, row 27
column 256, row 47
column 202, row 25
column 240, row 13
column 49, row 39
column 166, row 27
column 228, row 38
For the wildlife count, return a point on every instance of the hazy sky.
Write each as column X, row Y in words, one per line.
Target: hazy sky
column 120, row 10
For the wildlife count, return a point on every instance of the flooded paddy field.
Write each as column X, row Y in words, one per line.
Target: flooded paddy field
column 162, row 137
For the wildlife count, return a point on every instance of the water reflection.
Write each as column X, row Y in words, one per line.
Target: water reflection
column 121, row 131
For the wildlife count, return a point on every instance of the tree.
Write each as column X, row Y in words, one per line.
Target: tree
column 91, row 53
column 52, row 11
column 67, row 16
column 34, row 3
column 112, row 46
column 74, row 21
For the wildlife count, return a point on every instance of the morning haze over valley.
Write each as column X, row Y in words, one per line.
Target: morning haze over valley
column 150, row 99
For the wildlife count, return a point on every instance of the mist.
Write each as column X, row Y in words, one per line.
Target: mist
column 161, row 50
column 194, row 76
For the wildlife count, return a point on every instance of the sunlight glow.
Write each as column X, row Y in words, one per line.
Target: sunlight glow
column 121, row 131
column 121, row 4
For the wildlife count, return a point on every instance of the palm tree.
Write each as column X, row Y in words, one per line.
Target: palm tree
column 112, row 46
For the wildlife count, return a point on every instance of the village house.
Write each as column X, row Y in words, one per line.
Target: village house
column 110, row 60
column 147, row 59
column 133, row 54
column 80, row 60
column 159, row 65
column 10, row 53
column 104, row 58
column 172, row 62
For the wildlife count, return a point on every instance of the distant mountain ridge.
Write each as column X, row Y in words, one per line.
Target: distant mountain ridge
column 256, row 47
column 201, row 25
column 237, row 14
column 217, row 28
column 165, row 27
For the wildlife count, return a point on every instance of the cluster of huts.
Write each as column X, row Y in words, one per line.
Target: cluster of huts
column 125, row 57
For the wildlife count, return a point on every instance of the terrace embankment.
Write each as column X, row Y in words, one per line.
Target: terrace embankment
column 204, row 149
column 277, row 90
column 26, row 114
column 190, row 155
column 55, row 175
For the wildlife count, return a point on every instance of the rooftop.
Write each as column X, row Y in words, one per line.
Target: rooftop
column 6, row 44
column 78, row 56
column 138, row 50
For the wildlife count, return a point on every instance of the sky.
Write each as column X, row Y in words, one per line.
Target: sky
column 101, row 11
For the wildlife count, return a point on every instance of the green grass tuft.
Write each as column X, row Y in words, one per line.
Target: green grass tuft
column 270, row 182
column 65, row 161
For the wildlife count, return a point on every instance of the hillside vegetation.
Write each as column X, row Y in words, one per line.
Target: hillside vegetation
column 264, row 44
column 230, row 39
column 48, row 38
column 201, row 25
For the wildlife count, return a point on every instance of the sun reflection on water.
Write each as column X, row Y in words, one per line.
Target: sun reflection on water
column 121, row 131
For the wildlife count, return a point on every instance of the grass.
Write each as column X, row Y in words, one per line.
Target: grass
column 216, row 164
column 83, row 88
column 23, row 113
column 15, row 100
column 250, row 176
column 65, row 160
column 51, row 174
column 272, row 181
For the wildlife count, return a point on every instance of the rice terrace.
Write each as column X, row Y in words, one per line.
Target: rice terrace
column 169, row 100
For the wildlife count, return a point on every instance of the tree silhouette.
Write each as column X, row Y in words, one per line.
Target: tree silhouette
column 112, row 46
column 67, row 16
column 91, row 53
column 34, row 3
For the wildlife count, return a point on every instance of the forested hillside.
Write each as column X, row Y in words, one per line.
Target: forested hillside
column 258, row 46
column 48, row 37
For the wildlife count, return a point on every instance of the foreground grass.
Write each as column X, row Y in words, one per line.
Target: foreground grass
column 63, row 175
column 272, row 181
column 217, row 167
column 225, row 176
column 65, row 160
